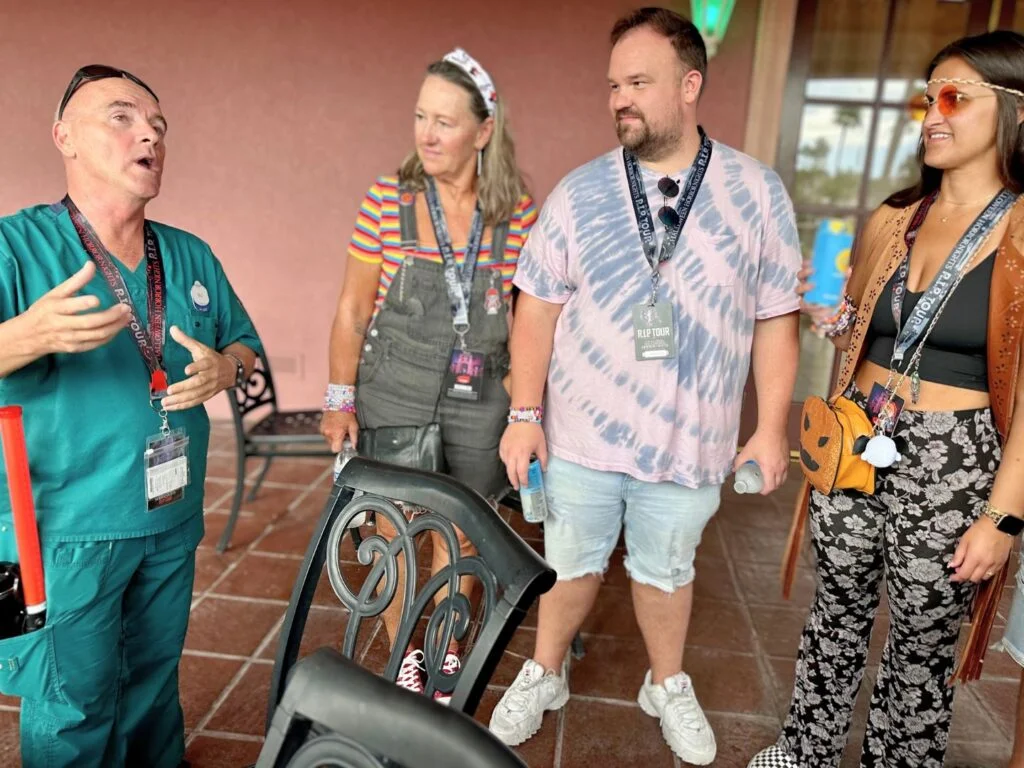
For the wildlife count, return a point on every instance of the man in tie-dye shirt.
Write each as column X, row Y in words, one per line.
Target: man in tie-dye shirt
column 637, row 432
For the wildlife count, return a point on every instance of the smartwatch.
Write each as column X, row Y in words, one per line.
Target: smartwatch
column 1008, row 524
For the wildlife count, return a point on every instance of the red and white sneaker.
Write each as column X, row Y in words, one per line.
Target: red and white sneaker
column 410, row 674
column 450, row 666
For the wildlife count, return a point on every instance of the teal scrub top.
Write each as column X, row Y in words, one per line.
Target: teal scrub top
column 88, row 415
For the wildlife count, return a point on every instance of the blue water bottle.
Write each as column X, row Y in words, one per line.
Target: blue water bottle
column 830, row 261
column 531, row 495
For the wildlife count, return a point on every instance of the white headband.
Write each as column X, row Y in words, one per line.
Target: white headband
column 477, row 74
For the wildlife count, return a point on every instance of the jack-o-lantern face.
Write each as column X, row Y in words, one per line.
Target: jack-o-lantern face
column 805, row 457
column 828, row 434
column 820, row 436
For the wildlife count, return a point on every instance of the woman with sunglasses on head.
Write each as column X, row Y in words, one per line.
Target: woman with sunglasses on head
column 931, row 321
column 412, row 348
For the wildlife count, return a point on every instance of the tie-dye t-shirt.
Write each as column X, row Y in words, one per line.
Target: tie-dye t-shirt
column 736, row 262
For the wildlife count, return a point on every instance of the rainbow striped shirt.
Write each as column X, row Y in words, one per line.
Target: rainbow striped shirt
column 377, row 238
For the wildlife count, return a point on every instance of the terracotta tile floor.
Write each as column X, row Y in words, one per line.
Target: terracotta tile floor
column 741, row 652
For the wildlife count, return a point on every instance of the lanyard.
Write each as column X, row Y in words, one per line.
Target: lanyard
column 151, row 343
column 956, row 262
column 642, row 209
column 459, row 281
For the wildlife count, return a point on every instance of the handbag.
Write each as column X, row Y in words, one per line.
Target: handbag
column 417, row 447
column 833, row 436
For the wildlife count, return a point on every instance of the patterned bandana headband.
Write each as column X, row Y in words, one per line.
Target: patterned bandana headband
column 478, row 75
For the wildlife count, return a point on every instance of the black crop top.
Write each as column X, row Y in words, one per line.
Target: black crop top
column 955, row 351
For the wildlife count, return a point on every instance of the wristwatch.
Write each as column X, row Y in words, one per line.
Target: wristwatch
column 239, row 371
column 1008, row 524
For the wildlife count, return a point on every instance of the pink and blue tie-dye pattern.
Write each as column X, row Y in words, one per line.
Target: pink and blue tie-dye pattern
column 736, row 262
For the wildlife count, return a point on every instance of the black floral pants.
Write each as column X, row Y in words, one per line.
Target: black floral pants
column 907, row 533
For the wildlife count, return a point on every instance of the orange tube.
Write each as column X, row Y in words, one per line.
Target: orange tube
column 19, row 485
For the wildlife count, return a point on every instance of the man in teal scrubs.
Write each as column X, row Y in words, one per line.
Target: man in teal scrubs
column 98, row 306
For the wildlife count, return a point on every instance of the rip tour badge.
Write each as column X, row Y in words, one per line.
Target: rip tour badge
column 200, row 297
column 654, row 331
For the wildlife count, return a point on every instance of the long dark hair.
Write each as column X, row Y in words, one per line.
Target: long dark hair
column 999, row 58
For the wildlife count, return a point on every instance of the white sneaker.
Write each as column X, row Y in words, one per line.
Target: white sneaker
column 683, row 723
column 520, row 711
column 773, row 757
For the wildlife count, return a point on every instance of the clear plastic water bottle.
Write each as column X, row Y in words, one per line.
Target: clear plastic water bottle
column 348, row 452
column 748, row 478
column 531, row 495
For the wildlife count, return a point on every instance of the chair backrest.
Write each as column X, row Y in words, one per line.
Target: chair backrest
column 511, row 573
column 258, row 392
column 336, row 713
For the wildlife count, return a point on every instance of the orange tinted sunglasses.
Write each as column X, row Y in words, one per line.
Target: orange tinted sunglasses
column 950, row 99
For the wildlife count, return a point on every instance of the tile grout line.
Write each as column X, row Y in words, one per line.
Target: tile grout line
column 235, row 680
column 232, row 684
column 252, row 547
column 760, row 655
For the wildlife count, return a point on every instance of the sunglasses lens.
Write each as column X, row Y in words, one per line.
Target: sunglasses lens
column 668, row 187
column 948, row 100
column 668, row 216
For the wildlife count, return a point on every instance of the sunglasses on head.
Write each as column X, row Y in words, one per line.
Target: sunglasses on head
column 668, row 215
column 951, row 99
column 98, row 72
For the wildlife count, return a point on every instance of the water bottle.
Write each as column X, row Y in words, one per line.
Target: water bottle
column 531, row 495
column 748, row 478
column 348, row 452
column 830, row 260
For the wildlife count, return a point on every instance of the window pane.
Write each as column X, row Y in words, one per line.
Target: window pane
column 901, row 91
column 847, row 49
column 831, row 155
column 894, row 165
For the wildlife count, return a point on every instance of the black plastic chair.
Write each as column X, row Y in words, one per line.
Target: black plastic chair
column 335, row 713
column 277, row 433
column 510, row 573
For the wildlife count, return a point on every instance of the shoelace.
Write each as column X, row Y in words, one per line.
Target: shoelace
column 409, row 674
column 684, row 705
column 517, row 698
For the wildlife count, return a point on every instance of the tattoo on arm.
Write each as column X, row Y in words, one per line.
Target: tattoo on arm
column 360, row 329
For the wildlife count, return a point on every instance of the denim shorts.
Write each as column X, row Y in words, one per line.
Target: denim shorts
column 1013, row 637
column 587, row 509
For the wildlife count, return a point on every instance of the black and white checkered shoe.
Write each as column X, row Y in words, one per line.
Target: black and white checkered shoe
column 772, row 757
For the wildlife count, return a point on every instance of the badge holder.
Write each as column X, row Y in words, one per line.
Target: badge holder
column 464, row 378
column 654, row 327
column 166, row 457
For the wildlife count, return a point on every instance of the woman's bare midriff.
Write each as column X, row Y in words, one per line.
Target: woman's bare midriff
column 934, row 397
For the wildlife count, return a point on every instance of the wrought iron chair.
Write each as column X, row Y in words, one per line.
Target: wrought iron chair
column 510, row 573
column 336, row 713
column 276, row 433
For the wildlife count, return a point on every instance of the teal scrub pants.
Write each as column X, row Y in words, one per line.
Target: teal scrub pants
column 99, row 684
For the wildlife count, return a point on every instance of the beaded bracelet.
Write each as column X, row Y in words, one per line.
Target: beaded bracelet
column 340, row 398
column 526, row 415
column 841, row 321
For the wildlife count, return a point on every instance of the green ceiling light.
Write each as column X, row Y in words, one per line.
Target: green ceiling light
column 712, row 19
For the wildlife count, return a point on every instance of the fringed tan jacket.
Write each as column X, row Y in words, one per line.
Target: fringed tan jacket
column 880, row 251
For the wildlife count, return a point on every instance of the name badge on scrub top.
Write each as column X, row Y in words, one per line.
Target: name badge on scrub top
column 654, row 331
column 167, row 469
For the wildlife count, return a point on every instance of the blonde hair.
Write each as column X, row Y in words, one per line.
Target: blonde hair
column 501, row 185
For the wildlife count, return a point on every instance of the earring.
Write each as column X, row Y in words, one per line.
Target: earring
column 479, row 162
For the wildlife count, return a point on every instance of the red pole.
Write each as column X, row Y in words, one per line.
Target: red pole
column 19, row 486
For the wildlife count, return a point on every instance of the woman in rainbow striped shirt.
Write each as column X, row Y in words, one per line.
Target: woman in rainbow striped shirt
column 421, row 331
